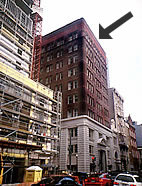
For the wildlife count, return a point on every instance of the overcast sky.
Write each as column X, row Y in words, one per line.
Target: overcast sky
column 124, row 51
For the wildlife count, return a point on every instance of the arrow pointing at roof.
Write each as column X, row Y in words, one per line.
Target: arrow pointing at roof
column 104, row 32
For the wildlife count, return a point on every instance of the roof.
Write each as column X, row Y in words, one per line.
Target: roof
column 34, row 168
column 69, row 25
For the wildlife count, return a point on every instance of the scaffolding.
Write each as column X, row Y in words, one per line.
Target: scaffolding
column 17, row 19
column 16, row 41
column 30, row 116
column 37, row 35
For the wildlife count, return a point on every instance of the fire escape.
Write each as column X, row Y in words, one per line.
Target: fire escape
column 37, row 35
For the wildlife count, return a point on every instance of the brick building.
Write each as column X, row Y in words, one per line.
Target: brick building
column 133, row 151
column 74, row 63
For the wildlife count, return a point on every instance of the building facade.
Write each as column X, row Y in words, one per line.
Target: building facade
column 16, row 35
column 133, row 152
column 87, row 138
column 30, row 116
column 74, row 63
column 139, row 142
column 30, row 113
column 119, row 126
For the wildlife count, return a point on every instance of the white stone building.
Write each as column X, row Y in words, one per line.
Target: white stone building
column 118, row 126
column 87, row 138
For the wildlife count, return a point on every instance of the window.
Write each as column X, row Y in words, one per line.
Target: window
column 75, row 47
column 75, row 98
column 59, row 76
column 100, row 135
column 19, row 51
column 91, row 134
column 75, row 84
column 99, row 119
column 72, row 113
column 59, row 65
column 97, row 83
column 72, row 72
column 108, row 141
column 90, row 100
column 70, row 99
column 88, row 61
column 89, row 74
column 98, row 107
column 115, row 140
column 90, row 87
column 72, row 59
column 106, row 112
column 59, row 54
column 56, row 88
column 60, row 42
column 42, row 60
column 70, row 38
column 75, row 112
column 91, row 149
column 70, row 85
column 69, row 113
column 105, row 100
column 70, row 49
column 91, row 113
column 49, row 68
column 75, row 35
column 73, row 132
column 75, row 58
column 99, row 95
column 48, row 80
column 75, row 148
column 60, row 88
column 49, row 58
column 138, row 179
column 125, row 178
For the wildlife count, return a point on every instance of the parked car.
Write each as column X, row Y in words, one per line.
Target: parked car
column 127, row 180
column 67, row 181
column 113, row 174
column 44, row 181
column 99, row 179
column 54, row 179
column 92, row 179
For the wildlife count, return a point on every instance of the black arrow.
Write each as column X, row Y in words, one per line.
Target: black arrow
column 104, row 33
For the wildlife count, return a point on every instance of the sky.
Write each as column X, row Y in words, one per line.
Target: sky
column 124, row 51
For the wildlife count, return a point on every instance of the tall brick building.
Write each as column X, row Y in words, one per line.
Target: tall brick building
column 74, row 63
